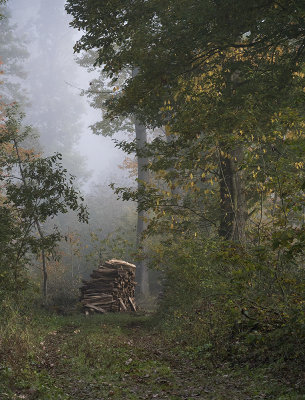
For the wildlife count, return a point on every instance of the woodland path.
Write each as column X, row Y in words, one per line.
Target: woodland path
column 120, row 357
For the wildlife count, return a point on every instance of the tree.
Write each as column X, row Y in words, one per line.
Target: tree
column 55, row 109
column 34, row 189
column 226, row 79
column 239, row 51
column 13, row 55
column 101, row 90
column 155, row 35
column 142, row 178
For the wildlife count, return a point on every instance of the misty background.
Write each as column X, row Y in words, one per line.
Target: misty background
column 43, row 75
column 52, row 83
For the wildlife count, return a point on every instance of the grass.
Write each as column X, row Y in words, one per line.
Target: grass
column 121, row 356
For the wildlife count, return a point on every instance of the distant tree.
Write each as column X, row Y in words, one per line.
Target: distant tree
column 2, row 2
column 56, row 109
column 103, row 90
column 13, row 52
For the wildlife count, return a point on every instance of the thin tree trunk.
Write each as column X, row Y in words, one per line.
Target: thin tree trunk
column 43, row 255
column 44, row 264
column 45, row 275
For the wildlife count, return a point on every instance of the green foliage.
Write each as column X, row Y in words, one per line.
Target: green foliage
column 20, row 353
column 33, row 190
column 245, row 76
column 232, row 303
column 173, row 39
column 227, row 82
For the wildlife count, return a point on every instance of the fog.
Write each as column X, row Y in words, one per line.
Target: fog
column 53, row 85
column 41, row 74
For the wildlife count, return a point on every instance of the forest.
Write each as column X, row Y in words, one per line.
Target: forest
column 170, row 135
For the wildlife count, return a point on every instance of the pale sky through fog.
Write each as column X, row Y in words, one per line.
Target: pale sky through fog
column 102, row 158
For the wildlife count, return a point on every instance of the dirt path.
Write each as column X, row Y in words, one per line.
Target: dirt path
column 119, row 356
column 114, row 359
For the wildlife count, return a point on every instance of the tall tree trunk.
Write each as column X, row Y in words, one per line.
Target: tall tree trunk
column 233, row 213
column 226, row 186
column 240, row 219
column 141, row 140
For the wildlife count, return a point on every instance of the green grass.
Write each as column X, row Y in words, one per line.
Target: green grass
column 121, row 356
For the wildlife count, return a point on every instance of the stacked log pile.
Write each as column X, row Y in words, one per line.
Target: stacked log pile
column 110, row 289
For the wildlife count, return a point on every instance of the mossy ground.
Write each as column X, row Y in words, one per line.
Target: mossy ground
column 122, row 356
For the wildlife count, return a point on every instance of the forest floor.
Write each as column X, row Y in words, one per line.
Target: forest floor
column 124, row 357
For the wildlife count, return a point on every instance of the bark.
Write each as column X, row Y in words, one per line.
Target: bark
column 233, row 213
column 141, row 140
column 226, row 186
column 239, row 231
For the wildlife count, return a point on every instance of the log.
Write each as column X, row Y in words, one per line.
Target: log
column 120, row 263
column 100, row 309
column 132, row 304
column 111, row 288
column 122, row 304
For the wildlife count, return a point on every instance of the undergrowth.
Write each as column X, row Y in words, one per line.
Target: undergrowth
column 49, row 356
column 224, row 304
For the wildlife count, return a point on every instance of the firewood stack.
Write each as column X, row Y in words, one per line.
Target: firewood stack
column 111, row 288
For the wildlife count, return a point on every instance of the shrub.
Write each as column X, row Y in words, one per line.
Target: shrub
column 231, row 301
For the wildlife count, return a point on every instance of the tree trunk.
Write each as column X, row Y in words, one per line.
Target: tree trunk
column 45, row 275
column 141, row 225
column 239, row 231
column 141, row 140
column 44, row 264
column 226, row 186
column 233, row 213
